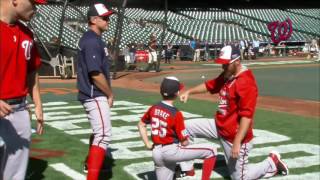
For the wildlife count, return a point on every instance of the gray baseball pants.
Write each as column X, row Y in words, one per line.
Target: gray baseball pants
column 15, row 129
column 165, row 157
column 98, row 112
column 238, row 168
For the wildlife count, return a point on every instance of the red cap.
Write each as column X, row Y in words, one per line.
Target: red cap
column 40, row 1
column 99, row 9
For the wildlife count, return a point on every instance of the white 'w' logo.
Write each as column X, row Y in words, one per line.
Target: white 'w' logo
column 27, row 45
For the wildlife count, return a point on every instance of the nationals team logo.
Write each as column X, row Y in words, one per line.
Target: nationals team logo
column 280, row 31
column 223, row 101
column 27, row 46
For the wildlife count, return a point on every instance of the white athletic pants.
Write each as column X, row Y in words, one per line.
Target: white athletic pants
column 15, row 129
column 98, row 112
column 166, row 157
column 196, row 56
column 152, row 57
column 127, row 59
column 238, row 168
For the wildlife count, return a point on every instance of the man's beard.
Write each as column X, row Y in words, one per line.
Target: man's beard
column 228, row 74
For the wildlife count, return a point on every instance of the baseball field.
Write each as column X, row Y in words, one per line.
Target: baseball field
column 287, row 119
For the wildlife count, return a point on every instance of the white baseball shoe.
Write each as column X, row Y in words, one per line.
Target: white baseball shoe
column 281, row 166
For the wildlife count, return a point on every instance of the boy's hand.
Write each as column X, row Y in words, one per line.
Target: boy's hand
column 184, row 142
column 149, row 146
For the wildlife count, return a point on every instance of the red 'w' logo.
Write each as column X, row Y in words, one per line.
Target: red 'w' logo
column 280, row 31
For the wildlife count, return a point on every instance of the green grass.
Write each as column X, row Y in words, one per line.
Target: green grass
column 299, row 129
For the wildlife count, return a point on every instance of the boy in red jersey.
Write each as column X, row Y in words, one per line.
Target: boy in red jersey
column 19, row 61
column 169, row 136
column 233, row 123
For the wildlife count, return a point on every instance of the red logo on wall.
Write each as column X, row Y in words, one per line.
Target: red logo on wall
column 280, row 31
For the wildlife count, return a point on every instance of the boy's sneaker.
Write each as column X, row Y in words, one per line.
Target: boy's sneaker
column 181, row 174
column 85, row 168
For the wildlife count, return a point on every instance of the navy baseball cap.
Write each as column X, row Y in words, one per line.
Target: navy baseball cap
column 170, row 86
column 99, row 9
column 228, row 55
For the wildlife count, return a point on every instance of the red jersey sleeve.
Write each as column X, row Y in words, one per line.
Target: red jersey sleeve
column 146, row 118
column 35, row 62
column 247, row 91
column 179, row 127
column 214, row 85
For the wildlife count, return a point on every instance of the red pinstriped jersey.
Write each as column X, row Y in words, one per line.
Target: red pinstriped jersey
column 18, row 57
column 237, row 98
column 167, row 124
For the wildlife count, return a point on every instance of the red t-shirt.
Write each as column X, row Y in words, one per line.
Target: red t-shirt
column 237, row 98
column 167, row 124
column 18, row 57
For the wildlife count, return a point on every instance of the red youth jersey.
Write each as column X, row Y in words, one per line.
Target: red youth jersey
column 167, row 124
column 18, row 57
column 237, row 98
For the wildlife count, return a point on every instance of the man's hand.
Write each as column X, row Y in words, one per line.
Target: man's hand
column 235, row 151
column 201, row 88
column 184, row 142
column 101, row 82
column 40, row 121
column 184, row 96
column 242, row 131
column 110, row 101
column 5, row 109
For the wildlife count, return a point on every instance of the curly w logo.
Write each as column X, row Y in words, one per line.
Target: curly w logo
column 280, row 31
column 27, row 46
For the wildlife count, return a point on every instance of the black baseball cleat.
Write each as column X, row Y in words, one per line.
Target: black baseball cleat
column 181, row 174
column 105, row 167
column 85, row 168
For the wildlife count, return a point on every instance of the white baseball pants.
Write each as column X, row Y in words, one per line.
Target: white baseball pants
column 238, row 168
column 152, row 57
column 98, row 113
column 166, row 157
column 15, row 129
